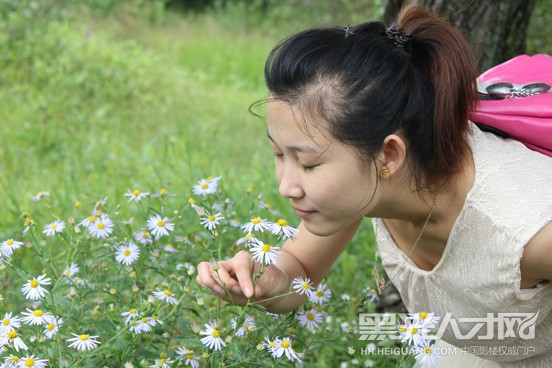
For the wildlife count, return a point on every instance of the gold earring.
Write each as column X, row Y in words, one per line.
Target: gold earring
column 384, row 172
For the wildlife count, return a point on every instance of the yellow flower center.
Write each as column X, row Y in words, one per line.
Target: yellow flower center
column 12, row 334
column 265, row 248
column 38, row 313
column 77, row 204
column 53, row 226
column 34, row 283
column 413, row 330
column 191, row 201
column 6, row 322
column 160, row 223
column 305, row 285
column 319, row 293
column 282, row 222
column 29, row 362
column 146, row 234
column 402, row 329
column 427, row 350
column 285, row 344
column 204, row 186
column 133, row 311
column 256, row 220
column 310, row 316
column 215, row 334
column 136, row 192
column 189, row 356
column 127, row 252
column 212, row 218
column 9, row 242
column 163, row 192
column 50, row 326
column 167, row 292
column 144, row 320
column 423, row 315
column 100, row 225
column 92, row 219
column 83, row 337
column 14, row 358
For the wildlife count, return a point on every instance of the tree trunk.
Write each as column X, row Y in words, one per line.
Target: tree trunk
column 495, row 29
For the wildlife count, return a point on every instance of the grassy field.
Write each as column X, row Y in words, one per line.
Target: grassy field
column 99, row 102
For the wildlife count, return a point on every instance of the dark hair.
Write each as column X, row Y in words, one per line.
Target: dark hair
column 365, row 86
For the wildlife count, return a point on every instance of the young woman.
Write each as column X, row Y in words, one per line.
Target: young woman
column 370, row 121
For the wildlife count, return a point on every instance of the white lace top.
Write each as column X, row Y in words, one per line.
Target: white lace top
column 479, row 272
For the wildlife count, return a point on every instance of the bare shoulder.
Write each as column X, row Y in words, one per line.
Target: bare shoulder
column 536, row 263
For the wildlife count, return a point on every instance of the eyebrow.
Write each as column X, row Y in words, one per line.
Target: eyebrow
column 299, row 148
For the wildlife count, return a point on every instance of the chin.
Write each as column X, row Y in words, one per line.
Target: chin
column 320, row 229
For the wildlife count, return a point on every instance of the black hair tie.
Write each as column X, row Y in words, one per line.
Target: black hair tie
column 399, row 36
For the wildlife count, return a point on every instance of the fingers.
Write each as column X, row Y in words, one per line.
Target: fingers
column 230, row 279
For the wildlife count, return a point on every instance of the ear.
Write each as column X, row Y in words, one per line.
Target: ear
column 393, row 154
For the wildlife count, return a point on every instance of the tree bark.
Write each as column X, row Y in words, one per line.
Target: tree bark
column 495, row 29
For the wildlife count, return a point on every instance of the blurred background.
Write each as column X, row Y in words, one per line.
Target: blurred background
column 102, row 96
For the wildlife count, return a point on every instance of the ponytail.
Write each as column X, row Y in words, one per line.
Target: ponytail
column 443, row 55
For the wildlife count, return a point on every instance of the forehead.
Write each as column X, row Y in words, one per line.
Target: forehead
column 289, row 123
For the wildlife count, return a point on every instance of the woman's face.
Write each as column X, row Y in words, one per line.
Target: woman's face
column 322, row 177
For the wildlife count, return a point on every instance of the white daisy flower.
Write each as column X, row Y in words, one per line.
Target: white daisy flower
column 310, row 319
column 206, row 186
column 320, row 295
column 70, row 271
column 32, row 362
column 127, row 254
column 348, row 329
column 412, row 333
column 83, row 342
column 166, row 296
column 162, row 363
column 270, row 345
column 37, row 317
column 284, row 347
column 38, row 196
column 33, row 289
column 282, row 229
column 11, row 338
column 256, row 224
column 374, row 296
column 267, row 206
column 211, row 221
column 427, row 355
column 144, row 324
column 159, row 226
column 54, row 228
column 247, row 240
column 199, row 210
column 52, row 328
column 11, row 361
column 162, row 193
column 143, row 237
column 302, row 286
column 188, row 357
column 247, row 325
column 427, row 320
column 9, row 323
column 154, row 320
column 134, row 327
column 102, row 227
column 135, row 195
column 264, row 253
column 89, row 221
column 8, row 246
column 130, row 315
column 212, row 337
column 170, row 248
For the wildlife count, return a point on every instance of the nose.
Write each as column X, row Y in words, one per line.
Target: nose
column 290, row 185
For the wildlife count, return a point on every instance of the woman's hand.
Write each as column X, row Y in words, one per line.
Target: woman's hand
column 232, row 279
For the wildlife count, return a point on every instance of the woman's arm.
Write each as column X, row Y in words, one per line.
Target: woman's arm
column 536, row 263
column 308, row 255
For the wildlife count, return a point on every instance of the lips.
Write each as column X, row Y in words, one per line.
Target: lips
column 303, row 214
